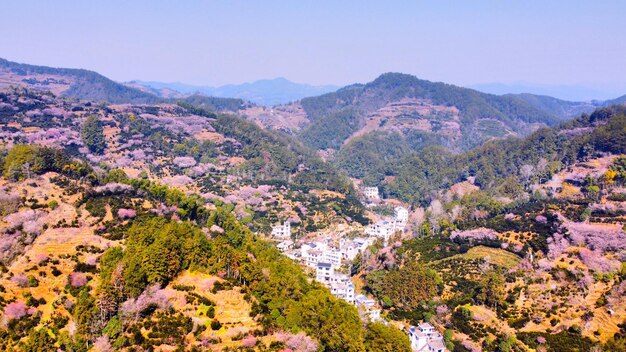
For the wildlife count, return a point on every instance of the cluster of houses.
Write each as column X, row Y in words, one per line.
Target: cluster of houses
column 339, row 284
column 387, row 227
column 326, row 257
column 424, row 338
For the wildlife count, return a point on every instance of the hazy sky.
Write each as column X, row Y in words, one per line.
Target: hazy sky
column 324, row 42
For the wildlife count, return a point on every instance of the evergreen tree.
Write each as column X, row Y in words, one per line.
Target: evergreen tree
column 382, row 338
column 93, row 135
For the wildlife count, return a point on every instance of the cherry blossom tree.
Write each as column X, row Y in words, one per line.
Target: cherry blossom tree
column 77, row 279
column 595, row 261
column 249, row 341
column 153, row 295
column 102, row 344
column 299, row 342
column 125, row 214
column 15, row 310
column 113, row 188
column 475, row 234
column 184, row 161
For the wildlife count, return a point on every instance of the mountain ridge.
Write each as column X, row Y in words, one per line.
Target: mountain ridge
column 77, row 83
column 564, row 92
column 268, row 92
column 406, row 103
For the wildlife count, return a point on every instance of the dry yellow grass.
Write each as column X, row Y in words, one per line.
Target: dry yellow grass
column 515, row 237
column 231, row 309
column 53, row 243
column 496, row 256
column 568, row 190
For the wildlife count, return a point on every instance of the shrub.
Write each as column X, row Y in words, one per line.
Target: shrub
column 9, row 202
column 32, row 281
column 215, row 324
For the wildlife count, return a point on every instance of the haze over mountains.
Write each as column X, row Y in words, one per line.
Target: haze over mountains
column 417, row 112
column 565, row 92
column 267, row 92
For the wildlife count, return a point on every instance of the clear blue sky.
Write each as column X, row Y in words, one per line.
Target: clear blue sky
column 214, row 42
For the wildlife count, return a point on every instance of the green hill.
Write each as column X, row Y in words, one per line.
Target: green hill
column 336, row 116
column 76, row 83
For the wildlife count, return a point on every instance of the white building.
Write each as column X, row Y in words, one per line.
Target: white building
column 285, row 245
column 374, row 316
column 332, row 256
column 344, row 291
column 313, row 253
column 310, row 254
column 362, row 300
column 324, row 273
column 382, row 229
column 371, row 193
column 401, row 214
column 340, row 285
column 424, row 338
column 282, row 231
column 350, row 248
column 312, row 257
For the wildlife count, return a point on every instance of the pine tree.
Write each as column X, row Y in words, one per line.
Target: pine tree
column 93, row 135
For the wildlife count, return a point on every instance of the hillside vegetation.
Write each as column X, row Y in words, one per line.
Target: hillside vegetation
column 137, row 227
column 336, row 116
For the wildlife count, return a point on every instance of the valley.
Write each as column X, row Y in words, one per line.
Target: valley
column 397, row 215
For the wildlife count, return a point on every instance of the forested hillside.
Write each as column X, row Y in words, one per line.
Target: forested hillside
column 515, row 245
column 148, row 226
column 77, row 83
column 514, row 160
column 128, row 227
column 459, row 117
column 563, row 108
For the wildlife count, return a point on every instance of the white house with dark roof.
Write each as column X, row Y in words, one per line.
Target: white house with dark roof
column 424, row 338
column 324, row 273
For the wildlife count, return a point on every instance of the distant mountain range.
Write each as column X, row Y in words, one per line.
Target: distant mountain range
column 268, row 92
column 92, row 86
column 564, row 92
column 324, row 117
column 419, row 111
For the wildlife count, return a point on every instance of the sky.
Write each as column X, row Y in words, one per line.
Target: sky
column 216, row 42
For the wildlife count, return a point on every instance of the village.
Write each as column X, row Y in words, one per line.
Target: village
column 329, row 254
